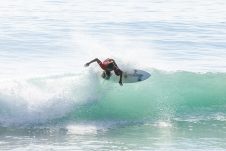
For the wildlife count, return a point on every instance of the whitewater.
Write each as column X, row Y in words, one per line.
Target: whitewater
column 50, row 101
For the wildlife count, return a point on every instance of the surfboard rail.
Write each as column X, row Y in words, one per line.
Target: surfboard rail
column 131, row 76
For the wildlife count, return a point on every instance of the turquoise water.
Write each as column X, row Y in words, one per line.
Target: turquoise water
column 49, row 101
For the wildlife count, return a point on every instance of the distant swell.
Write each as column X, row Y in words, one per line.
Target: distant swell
column 63, row 98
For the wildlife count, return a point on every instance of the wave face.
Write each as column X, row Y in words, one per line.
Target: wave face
column 74, row 97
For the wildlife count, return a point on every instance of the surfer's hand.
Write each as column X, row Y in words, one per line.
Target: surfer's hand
column 86, row 65
column 120, row 82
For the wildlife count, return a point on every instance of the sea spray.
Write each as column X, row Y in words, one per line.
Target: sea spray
column 37, row 100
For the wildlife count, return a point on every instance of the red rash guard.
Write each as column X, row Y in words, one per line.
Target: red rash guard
column 105, row 63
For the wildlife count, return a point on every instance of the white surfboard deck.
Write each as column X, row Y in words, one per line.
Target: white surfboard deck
column 130, row 76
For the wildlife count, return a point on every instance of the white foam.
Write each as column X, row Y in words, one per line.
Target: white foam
column 42, row 99
column 163, row 124
column 82, row 129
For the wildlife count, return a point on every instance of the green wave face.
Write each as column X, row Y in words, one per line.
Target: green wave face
column 165, row 95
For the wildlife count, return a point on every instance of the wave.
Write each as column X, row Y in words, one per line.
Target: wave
column 86, row 97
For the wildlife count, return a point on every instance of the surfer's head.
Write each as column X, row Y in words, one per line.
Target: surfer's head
column 106, row 75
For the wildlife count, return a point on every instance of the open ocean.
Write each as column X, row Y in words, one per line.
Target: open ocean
column 49, row 101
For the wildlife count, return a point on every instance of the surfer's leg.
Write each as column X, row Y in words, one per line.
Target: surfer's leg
column 117, row 71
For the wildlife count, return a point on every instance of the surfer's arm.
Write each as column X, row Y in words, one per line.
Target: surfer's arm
column 94, row 60
column 120, row 79
column 114, row 63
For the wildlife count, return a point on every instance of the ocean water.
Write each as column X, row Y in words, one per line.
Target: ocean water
column 50, row 101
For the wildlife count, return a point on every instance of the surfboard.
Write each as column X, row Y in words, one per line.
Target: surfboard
column 131, row 76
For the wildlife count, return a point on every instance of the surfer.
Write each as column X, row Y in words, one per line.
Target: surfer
column 108, row 65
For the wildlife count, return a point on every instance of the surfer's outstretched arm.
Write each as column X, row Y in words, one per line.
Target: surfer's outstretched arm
column 94, row 60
